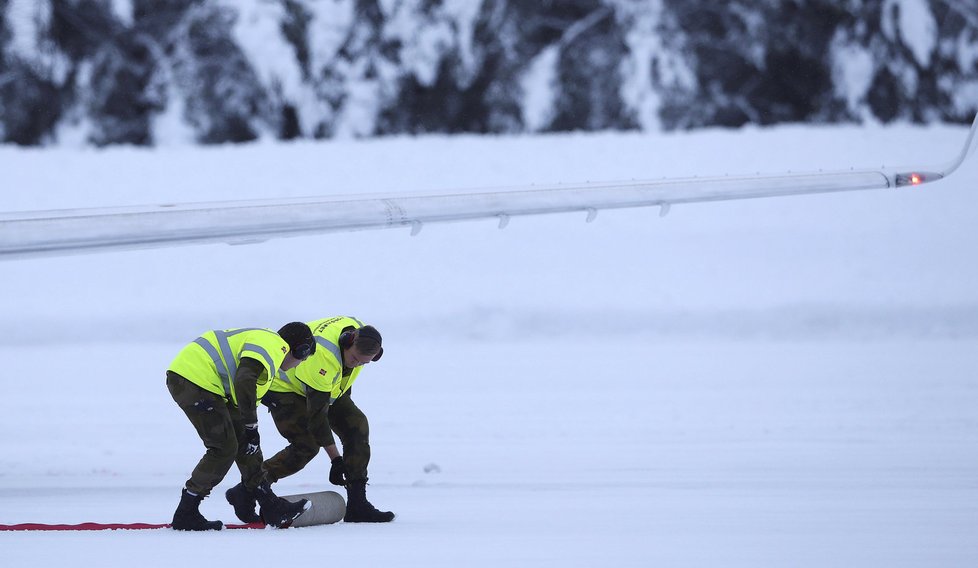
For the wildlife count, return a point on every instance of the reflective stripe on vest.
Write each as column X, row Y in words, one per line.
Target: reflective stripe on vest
column 261, row 351
column 335, row 351
column 228, row 366
column 331, row 347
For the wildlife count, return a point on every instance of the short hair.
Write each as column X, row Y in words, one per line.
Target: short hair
column 368, row 341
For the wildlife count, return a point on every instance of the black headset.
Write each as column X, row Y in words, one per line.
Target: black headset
column 303, row 350
column 347, row 338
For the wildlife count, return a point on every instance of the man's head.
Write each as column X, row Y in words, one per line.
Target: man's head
column 361, row 346
column 301, row 343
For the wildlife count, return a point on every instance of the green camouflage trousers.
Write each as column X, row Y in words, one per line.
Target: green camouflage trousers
column 346, row 420
column 219, row 425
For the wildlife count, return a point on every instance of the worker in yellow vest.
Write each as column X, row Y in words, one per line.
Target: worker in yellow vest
column 314, row 400
column 218, row 380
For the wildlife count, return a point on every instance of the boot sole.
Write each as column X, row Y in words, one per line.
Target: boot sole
column 355, row 520
column 220, row 526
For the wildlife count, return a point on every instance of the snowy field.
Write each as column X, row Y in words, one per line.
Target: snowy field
column 785, row 382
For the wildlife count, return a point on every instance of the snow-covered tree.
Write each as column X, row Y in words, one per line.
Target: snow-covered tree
column 212, row 71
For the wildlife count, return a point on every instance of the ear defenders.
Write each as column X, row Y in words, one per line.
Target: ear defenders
column 303, row 350
column 349, row 336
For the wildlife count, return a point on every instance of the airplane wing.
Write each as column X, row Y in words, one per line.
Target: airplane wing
column 68, row 231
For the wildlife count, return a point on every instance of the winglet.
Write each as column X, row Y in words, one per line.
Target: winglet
column 969, row 148
column 913, row 178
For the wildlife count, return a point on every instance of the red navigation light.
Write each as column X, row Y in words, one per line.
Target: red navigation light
column 916, row 178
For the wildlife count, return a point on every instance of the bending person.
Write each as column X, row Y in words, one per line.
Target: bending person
column 314, row 400
column 217, row 380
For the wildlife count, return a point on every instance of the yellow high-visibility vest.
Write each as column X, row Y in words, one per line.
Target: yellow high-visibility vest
column 322, row 371
column 212, row 360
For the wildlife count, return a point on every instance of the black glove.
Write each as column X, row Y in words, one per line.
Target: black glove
column 252, row 440
column 337, row 472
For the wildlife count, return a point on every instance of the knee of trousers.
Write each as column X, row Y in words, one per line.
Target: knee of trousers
column 304, row 452
column 226, row 452
column 296, row 455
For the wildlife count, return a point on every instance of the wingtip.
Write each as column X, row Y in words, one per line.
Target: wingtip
column 969, row 148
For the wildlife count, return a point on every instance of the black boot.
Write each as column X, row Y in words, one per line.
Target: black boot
column 244, row 502
column 276, row 511
column 188, row 518
column 358, row 509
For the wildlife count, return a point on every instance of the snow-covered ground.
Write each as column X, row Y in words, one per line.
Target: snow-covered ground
column 787, row 382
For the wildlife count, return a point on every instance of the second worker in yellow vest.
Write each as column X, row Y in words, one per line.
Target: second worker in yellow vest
column 314, row 400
